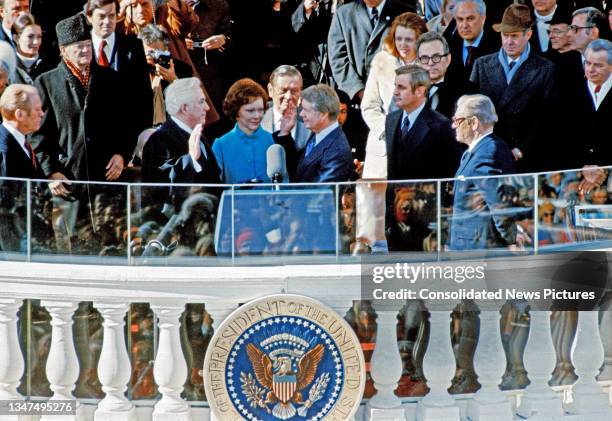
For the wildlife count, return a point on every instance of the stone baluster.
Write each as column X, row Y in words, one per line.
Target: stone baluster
column 11, row 359
column 489, row 403
column 62, row 364
column 385, row 367
column 587, row 357
column 170, row 370
column 438, row 366
column 539, row 401
column 114, row 369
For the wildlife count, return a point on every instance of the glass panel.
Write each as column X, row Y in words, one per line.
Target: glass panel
column 142, row 351
column 88, row 333
column 196, row 331
column 288, row 223
column 176, row 225
column 13, row 219
column 572, row 210
column 87, row 226
column 492, row 214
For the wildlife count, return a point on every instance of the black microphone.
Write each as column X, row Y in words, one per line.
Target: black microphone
column 276, row 166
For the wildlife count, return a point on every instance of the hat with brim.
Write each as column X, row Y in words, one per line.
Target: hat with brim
column 517, row 17
column 72, row 29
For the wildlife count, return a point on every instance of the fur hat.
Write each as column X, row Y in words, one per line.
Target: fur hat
column 72, row 29
column 517, row 17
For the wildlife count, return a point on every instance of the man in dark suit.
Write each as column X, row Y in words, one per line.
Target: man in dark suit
column 78, row 138
column 471, row 40
column 9, row 11
column 355, row 36
column 521, row 84
column 285, row 89
column 434, row 56
column 327, row 155
column 543, row 13
column 125, row 55
column 479, row 227
column 177, row 152
column 420, row 141
column 22, row 113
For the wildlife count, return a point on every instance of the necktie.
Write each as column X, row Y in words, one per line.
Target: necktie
column 405, row 127
column 512, row 64
column 102, row 59
column 32, row 157
column 469, row 60
column 374, row 18
column 597, row 89
column 310, row 145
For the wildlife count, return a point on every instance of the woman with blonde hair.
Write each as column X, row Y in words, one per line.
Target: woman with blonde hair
column 399, row 49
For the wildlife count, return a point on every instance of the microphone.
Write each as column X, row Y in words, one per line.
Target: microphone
column 157, row 247
column 276, row 167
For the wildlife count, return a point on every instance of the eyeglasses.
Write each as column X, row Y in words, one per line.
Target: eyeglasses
column 575, row 28
column 436, row 58
column 548, row 214
column 458, row 120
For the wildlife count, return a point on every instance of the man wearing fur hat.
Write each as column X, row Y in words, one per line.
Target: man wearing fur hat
column 78, row 138
column 521, row 85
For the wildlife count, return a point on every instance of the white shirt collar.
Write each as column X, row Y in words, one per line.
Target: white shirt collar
column 412, row 117
column 110, row 44
column 605, row 89
column 545, row 18
column 181, row 124
column 475, row 142
column 323, row 133
column 379, row 8
column 20, row 137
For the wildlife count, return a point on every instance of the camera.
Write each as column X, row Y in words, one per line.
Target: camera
column 161, row 57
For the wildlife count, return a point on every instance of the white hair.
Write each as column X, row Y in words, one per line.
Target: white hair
column 8, row 60
column 479, row 106
column 181, row 92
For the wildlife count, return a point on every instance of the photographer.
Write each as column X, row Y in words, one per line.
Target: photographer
column 163, row 69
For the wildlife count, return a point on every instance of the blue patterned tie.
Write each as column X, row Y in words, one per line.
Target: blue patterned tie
column 405, row 127
column 310, row 145
column 374, row 18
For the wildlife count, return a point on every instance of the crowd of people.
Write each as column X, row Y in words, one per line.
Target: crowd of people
column 201, row 91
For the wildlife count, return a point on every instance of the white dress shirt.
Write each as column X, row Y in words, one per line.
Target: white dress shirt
column 277, row 118
column 603, row 91
column 108, row 49
column 542, row 23
column 379, row 8
column 20, row 137
column 472, row 145
column 323, row 133
column 412, row 117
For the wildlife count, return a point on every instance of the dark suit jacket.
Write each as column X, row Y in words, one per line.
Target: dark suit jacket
column 523, row 106
column 128, row 59
column 449, row 92
column 431, row 151
column 329, row 161
column 481, row 227
column 352, row 43
column 165, row 158
column 490, row 42
column 82, row 128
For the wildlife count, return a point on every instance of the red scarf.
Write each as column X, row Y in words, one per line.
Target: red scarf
column 82, row 77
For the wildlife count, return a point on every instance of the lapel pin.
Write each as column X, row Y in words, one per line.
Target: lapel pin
column 387, row 18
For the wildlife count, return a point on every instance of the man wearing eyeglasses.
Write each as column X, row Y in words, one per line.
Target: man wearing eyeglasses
column 522, row 85
column 434, row 56
column 588, row 24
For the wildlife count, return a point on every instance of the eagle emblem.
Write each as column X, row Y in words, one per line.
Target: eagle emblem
column 282, row 375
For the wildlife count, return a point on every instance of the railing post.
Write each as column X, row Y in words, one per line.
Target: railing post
column 11, row 359
column 114, row 369
column 170, row 370
column 489, row 403
column 587, row 357
column 438, row 367
column 62, row 364
column 386, row 368
column 539, row 399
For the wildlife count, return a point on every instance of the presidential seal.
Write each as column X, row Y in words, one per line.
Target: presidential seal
column 284, row 357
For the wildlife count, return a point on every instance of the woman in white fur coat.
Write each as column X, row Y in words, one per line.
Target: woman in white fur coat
column 399, row 48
